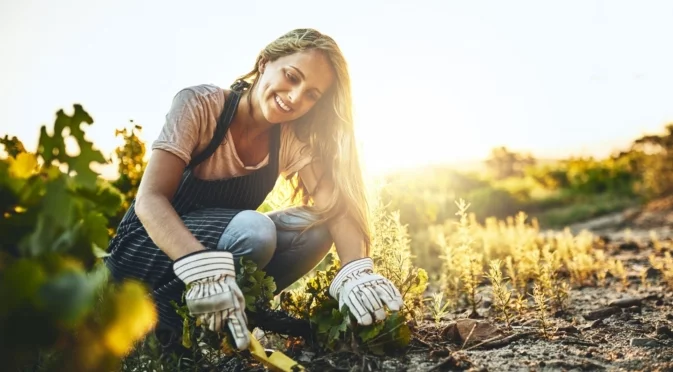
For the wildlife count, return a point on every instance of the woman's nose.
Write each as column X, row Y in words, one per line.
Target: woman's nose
column 295, row 95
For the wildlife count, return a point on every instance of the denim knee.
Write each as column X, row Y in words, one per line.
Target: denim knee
column 313, row 240
column 250, row 234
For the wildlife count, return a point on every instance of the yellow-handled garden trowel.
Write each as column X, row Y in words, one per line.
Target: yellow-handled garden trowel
column 277, row 361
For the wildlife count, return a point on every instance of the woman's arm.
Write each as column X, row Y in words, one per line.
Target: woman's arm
column 348, row 239
column 153, row 206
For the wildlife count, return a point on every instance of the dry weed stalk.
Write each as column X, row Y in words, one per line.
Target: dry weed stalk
column 541, row 310
column 462, row 267
column 471, row 278
column 601, row 267
column 502, row 296
column 656, row 243
column 558, row 290
column 665, row 266
column 391, row 252
column 521, row 304
column 643, row 278
column 618, row 271
column 668, row 269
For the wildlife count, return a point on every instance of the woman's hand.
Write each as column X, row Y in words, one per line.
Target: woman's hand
column 357, row 286
column 213, row 296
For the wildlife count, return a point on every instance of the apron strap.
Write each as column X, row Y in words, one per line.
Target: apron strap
column 223, row 124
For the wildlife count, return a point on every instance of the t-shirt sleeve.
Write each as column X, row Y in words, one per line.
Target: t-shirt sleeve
column 294, row 154
column 180, row 133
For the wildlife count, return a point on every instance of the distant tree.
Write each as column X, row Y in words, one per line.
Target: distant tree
column 503, row 163
column 13, row 146
column 656, row 162
column 131, row 168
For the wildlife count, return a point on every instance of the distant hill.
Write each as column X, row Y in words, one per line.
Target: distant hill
column 471, row 166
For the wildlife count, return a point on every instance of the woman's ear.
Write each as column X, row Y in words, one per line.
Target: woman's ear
column 261, row 65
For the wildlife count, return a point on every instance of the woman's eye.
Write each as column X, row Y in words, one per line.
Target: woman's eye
column 291, row 77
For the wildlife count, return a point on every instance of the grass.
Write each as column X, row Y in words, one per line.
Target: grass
column 584, row 208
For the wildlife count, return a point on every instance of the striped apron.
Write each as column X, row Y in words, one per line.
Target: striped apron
column 205, row 206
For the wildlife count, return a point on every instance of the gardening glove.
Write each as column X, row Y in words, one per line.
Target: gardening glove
column 213, row 296
column 364, row 292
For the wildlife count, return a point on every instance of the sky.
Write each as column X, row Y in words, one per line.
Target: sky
column 433, row 81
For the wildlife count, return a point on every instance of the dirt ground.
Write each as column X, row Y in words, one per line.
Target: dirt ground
column 630, row 330
column 608, row 328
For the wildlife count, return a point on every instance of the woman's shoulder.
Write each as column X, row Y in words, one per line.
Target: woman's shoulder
column 200, row 94
column 202, row 89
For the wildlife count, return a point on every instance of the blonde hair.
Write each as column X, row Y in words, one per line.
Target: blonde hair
column 327, row 128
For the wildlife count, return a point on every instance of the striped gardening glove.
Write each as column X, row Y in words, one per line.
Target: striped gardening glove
column 364, row 292
column 213, row 296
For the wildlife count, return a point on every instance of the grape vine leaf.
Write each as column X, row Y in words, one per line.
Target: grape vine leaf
column 53, row 147
column 67, row 296
column 105, row 197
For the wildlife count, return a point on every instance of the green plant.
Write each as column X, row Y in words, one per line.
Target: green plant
column 438, row 310
column 58, row 310
column 391, row 252
column 131, row 167
column 335, row 328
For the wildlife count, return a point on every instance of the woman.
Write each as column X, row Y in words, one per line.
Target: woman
column 218, row 156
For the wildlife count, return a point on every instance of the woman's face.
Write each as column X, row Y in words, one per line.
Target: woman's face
column 291, row 85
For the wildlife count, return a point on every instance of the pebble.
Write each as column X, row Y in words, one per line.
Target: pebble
column 597, row 324
column 664, row 331
column 624, row 317
column 644, row 342
column 306, row 356
column 569, row 329
column 626, row 302
column 634, row 310
column 602, row 313
column 653, row 273
column 629, row 246
column 390, row 365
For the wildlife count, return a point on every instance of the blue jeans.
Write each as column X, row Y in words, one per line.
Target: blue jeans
column 284, row 255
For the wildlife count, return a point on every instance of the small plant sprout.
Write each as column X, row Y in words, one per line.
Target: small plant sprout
column 541, row 309
column 502, row 296
column 439, row 310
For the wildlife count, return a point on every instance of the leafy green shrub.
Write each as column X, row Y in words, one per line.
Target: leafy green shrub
column 392, row 257
column 58, row 310
column 492, row 202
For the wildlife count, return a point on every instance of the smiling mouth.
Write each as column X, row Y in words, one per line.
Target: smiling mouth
column 282, row 104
